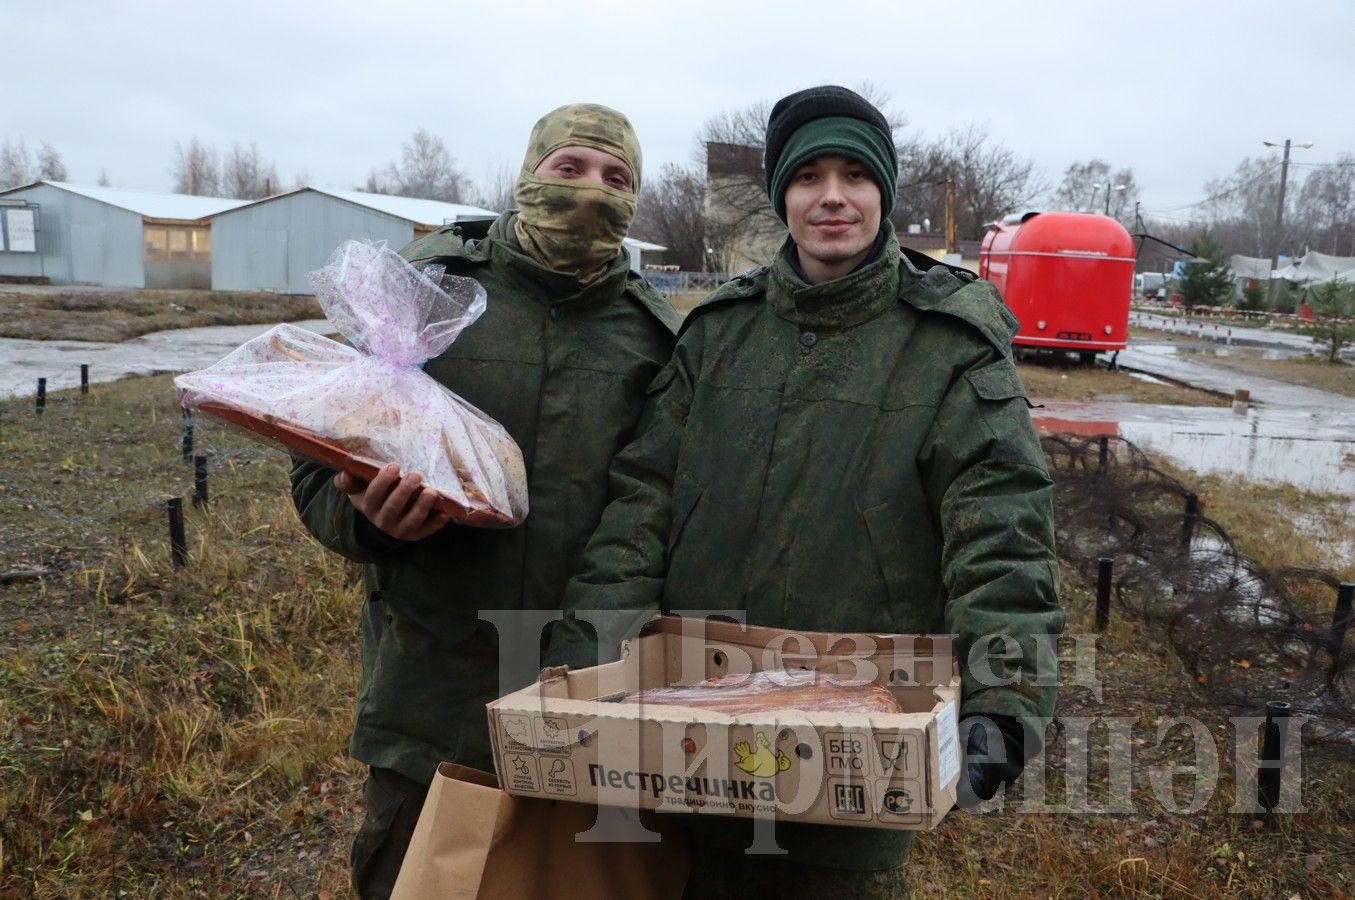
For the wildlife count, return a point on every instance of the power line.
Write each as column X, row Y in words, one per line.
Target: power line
column 1219, row 196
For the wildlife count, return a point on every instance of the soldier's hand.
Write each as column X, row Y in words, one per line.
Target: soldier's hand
column 994, row 757
column 399, row 506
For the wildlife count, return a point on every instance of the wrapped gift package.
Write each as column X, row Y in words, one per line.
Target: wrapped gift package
column 359, row 405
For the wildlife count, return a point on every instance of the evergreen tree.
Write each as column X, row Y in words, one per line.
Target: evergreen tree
column 1208, row 281
column 1333, row 302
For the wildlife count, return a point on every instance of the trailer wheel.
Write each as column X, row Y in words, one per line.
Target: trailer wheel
column 1086, row 358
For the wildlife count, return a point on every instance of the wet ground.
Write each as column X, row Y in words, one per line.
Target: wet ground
column 23, row 362
column 1228, row 335
column 1171, row 361
column 1291, row 434
column 1310, row 449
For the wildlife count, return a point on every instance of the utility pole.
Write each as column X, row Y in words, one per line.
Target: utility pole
column 950, row 215
column 1279, row 214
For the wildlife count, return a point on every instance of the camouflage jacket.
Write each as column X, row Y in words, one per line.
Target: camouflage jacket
column 563, row 368
column 850, row 456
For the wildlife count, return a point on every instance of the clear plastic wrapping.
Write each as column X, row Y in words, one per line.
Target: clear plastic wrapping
column 361, row 406
column 801, row 689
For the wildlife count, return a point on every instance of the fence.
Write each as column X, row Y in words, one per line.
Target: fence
column 671, row 283
column 1245, row 633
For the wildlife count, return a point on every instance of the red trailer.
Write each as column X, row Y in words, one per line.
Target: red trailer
column 1067, row 278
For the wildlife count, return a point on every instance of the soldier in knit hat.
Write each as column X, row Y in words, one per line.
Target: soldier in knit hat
column 569, row 340
column 840, row 443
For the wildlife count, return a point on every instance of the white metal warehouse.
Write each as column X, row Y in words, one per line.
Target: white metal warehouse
column 83, row 234
column 273, row 244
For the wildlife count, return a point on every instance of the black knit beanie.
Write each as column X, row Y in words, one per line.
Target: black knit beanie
column 856, row 130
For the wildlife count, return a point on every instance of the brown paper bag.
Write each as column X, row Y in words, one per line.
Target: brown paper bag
column 474, row 842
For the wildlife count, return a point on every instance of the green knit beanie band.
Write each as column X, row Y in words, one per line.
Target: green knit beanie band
column 837, row 136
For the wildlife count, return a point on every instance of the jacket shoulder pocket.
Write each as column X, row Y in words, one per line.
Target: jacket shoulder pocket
column 997, row 381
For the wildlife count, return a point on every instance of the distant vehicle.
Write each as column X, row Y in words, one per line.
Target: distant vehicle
column 1067, row 278
column 1151, row 284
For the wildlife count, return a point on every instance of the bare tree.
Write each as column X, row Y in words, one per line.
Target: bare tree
column 1085, row 185
column 990, row 181
column 16, row 165
column 496, row 191
column 377, row 183
column 1240, row 208
column 425, row 170
column 246, row 175
column 301, row 179
column 103, row 179
column 50, row 166
column 1326, row 206
column 195, row 170
column 672, row 212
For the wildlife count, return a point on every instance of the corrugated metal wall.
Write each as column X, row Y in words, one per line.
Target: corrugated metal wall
column 273, row 245
column 81, row 241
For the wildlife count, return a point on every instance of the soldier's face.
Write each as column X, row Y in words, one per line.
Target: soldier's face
column 584, row 164
column 833, row 212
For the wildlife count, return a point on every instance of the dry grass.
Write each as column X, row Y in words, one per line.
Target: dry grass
column 43, row 314
column 166, row 733
column 1051, row 378
column 181, row 733
column 1056, row 849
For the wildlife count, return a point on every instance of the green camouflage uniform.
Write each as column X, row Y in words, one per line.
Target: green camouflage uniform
column 853, row 456
column 563, row 368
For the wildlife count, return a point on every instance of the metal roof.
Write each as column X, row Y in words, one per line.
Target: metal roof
column 411, row 209
column 150, row 205
column 643, row 245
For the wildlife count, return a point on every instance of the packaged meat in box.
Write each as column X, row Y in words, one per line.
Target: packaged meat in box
column 358, row 407
column 718, row 718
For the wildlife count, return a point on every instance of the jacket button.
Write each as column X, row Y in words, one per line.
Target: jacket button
column 809, row 338
column 554, row 313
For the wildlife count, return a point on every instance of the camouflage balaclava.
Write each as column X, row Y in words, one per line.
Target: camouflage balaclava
column 571, row 225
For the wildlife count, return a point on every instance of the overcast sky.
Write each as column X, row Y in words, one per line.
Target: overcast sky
column 1180, row 91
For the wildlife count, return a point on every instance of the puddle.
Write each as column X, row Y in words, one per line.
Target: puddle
column 1313, row 450
column 23, row 362
column 1249, row 352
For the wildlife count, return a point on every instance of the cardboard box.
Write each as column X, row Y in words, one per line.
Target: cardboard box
column 572, row 736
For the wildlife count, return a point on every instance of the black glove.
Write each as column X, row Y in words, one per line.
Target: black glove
column 995, row 755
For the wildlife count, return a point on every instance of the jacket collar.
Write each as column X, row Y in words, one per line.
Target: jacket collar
column 843, row 302
column 549, row 287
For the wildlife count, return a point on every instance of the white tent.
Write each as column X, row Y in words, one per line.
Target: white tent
column 1249, row 267
column 1319, row 267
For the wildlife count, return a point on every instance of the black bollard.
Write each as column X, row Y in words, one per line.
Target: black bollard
column 1188, row 523
column 1104, row 453
column 1271, row 767
column 1104, row 565
column 199, row 481
column 84, row 378
column 178, row 543
column 186, row 441
column 1345, row 598
column 42, row 395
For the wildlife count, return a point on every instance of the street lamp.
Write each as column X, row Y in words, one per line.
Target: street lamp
column 1109, row 187
column 1279, row 212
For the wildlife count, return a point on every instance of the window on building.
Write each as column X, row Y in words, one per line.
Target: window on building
column 157, row 244
column 178, row 244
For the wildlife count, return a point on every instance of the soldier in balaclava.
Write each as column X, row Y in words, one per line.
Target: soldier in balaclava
column 568, row 343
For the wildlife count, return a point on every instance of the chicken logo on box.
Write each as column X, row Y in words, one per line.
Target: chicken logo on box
column 760, row 762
